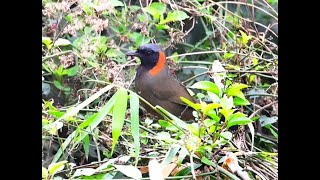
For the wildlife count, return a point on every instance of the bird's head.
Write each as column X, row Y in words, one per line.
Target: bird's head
column 152, row 57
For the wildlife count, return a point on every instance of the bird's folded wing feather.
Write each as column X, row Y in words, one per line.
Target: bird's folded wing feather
column 172, row 92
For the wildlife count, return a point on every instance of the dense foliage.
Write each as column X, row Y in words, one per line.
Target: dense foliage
column 225, row 52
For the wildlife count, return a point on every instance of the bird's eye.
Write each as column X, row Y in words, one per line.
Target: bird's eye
column 148, row 53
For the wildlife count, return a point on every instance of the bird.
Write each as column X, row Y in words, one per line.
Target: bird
column 156, row 84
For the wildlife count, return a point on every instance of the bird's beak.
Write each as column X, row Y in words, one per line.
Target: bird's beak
column 132, row 53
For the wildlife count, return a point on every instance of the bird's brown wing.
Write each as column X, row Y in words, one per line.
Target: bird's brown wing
column 172, row 92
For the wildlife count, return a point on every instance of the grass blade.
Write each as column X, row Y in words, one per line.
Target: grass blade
column 96, row 120
column 134, row 114
column 119, row 112
column 75, row 110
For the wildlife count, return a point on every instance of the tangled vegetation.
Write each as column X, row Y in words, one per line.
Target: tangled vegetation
column 224, row 52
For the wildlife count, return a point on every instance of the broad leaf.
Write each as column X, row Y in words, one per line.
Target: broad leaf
column 174, row 16
column 207, row 85
column 156, row 9
column 129, row 171
column 238, row 119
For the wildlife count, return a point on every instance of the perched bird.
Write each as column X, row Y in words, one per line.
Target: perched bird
column 155, row 83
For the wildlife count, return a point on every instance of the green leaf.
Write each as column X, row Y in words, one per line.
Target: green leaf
column 87, row 7
column 97, row 119
column 194, row 129
column 45, row 173
column 72, row 71
column 59, row 86
column 168, row 125
column 174, row 16
column 156, row 9
column 235, row 90
column 195, row 106
column 238, row 119
column 213, row 115
column 86, row 145
column 116, row 55
column 207, row 161
column 254, row 61
column 226, row 113
column 244, row 37
column 170, row 154
column 164, row 136
column 175, row 59
column 178, row 122
column 228, row 55
column 187, row 170
column 139, row 39
column 47, row 41
column 210, row 107
column 227, row 135
column 134, row 115
column 129, row 171
column 208, row 86
column 56, row 167
column 240, row 102
column 226, row 103
column 209, row 122
column 84, row 172
column 116, row 3
column 264, row 120
column 214, row 98
column 118, row 115
column 161, row 27
column 62, row 42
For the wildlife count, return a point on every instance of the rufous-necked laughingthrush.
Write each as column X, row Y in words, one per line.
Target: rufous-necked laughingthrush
column 155, row 83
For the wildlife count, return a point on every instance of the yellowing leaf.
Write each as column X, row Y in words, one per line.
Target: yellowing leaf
column 244, row 37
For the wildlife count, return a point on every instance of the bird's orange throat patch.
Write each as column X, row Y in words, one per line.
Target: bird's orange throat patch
column 160, row 64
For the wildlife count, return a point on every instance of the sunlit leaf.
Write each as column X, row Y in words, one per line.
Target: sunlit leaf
column 84, row 172
column 207, row 85
column 240, row 102
column 56, row 167
column 118, row 115
column 129, row 171
column 235, row 90
column 62, row 42
column 210, row 107
column 174, row 16
column 226, row 102
column 226, row 134
column 195, row 106
column 45, row 173
column 116, row 3
column 170, row 154
column 244, row 37
column 156, row 9
column 47, row 41
column 238, row 119
column 134, row 114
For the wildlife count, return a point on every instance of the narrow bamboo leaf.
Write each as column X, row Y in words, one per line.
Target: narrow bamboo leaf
column 134, row 114
column 75, row 110
column 129, row 171
column 86, row 145
column 170, row 154
column 96, row 120
column 119, row 112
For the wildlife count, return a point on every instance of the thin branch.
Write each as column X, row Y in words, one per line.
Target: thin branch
column 264, row 107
